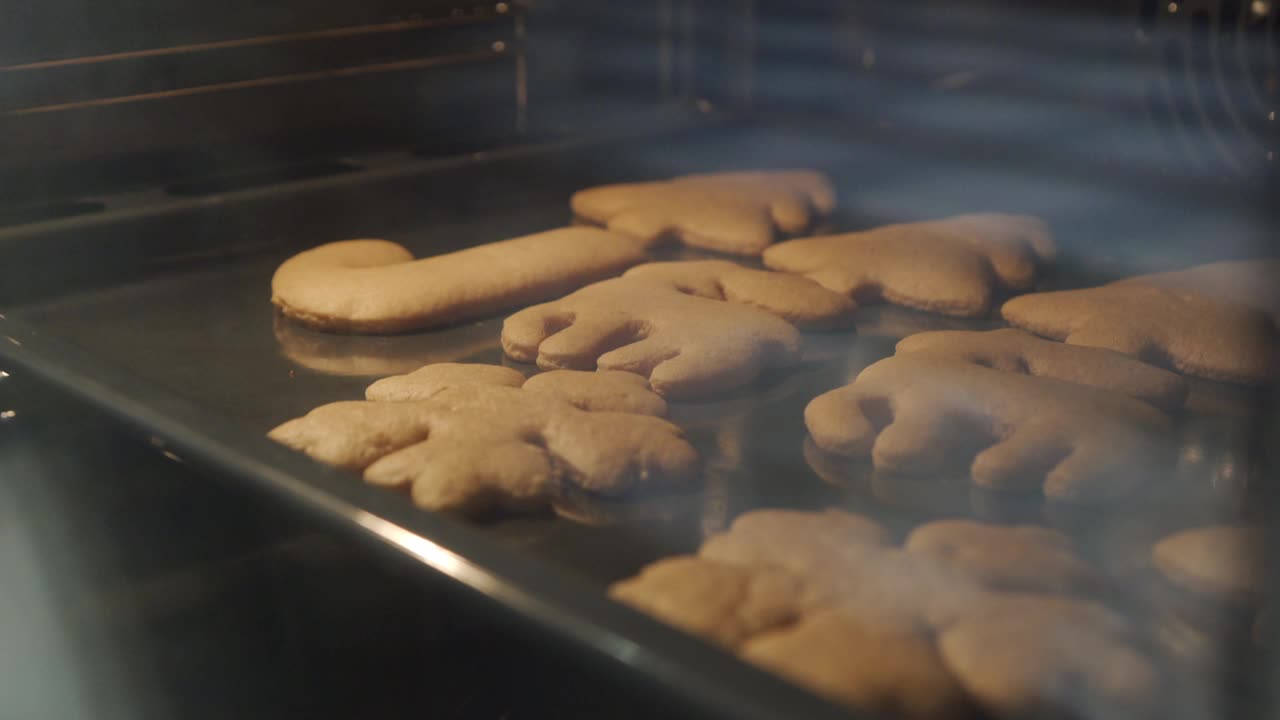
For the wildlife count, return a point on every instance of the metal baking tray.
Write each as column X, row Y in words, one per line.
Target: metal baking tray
column 156, row 310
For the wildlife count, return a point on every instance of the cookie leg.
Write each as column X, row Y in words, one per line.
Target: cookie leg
column 839, row 423
column 836, row 280
column 791, row 214
column 397, row 470
column 1018, row 462
column 1090, row 474
column 639, row 357
column 916, row 441
column 651, row 225
column 578, row 346
column 610, row 454
column 524, row 331
column 472, row 480
column 697, row 373
column 1110, row 336
column 352, row 435
column 1012, row 264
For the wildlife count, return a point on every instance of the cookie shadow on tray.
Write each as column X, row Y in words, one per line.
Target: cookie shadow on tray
column 609, row 538
column 382, row 355
column 942, row 495
column 666, row 507
column 1220, row 400
column 895, row 322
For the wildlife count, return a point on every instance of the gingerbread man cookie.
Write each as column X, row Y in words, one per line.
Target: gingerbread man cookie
column 955, row 266
column 685, row 345
column 472, row 447
column 908, row 413
column 1157, row 321
column 738, row 212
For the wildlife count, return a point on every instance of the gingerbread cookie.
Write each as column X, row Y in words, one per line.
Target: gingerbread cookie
column 474, row 448
column 955, row 266
column 607, row 391
column 601, row 390
column 685, row 345
column 821, row 598
column 910, row 412
column 722, row 603
column 800, row 543
column 1025, row 558
column 1048, row 657
column 738, row 213
column 887, row 669
column 429, row 380
column 900, row 586
column 375, row 286
column 1191, row 333
column 1012, row 350
column 1251, row 283
column 1222, row 562
column 799, row 301
column 843, row 559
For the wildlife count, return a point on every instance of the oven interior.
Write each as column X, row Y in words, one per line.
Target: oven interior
column 161, row 160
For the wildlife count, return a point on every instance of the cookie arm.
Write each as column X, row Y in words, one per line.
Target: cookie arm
column 524, row 331
column 838, row 423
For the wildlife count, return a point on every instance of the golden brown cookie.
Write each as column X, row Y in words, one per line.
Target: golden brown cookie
column 844, row 559
column 429, row 380
column 475, row 448
column 801, row 543
column 722, row 603
column 909, row 413
column 1040, row 656
column 1251, row 283
column 955, row 266
column 684, row 345
column 1191, row 333
column 738, row 212
column 1013, row 350
column 876, row 667
column 375, row 286
column 600, row 390
column 900, row 586
column 606, row 391
column 821, row 598
column 1223, row 562
column 1026, row 558
column 799, row 301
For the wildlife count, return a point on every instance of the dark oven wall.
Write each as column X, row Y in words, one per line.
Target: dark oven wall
column 106, row 94
column 99, row 97
column 1192, row 84
column 1135, row 125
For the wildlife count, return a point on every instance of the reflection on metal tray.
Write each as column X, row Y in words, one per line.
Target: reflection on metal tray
column 198, row 362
